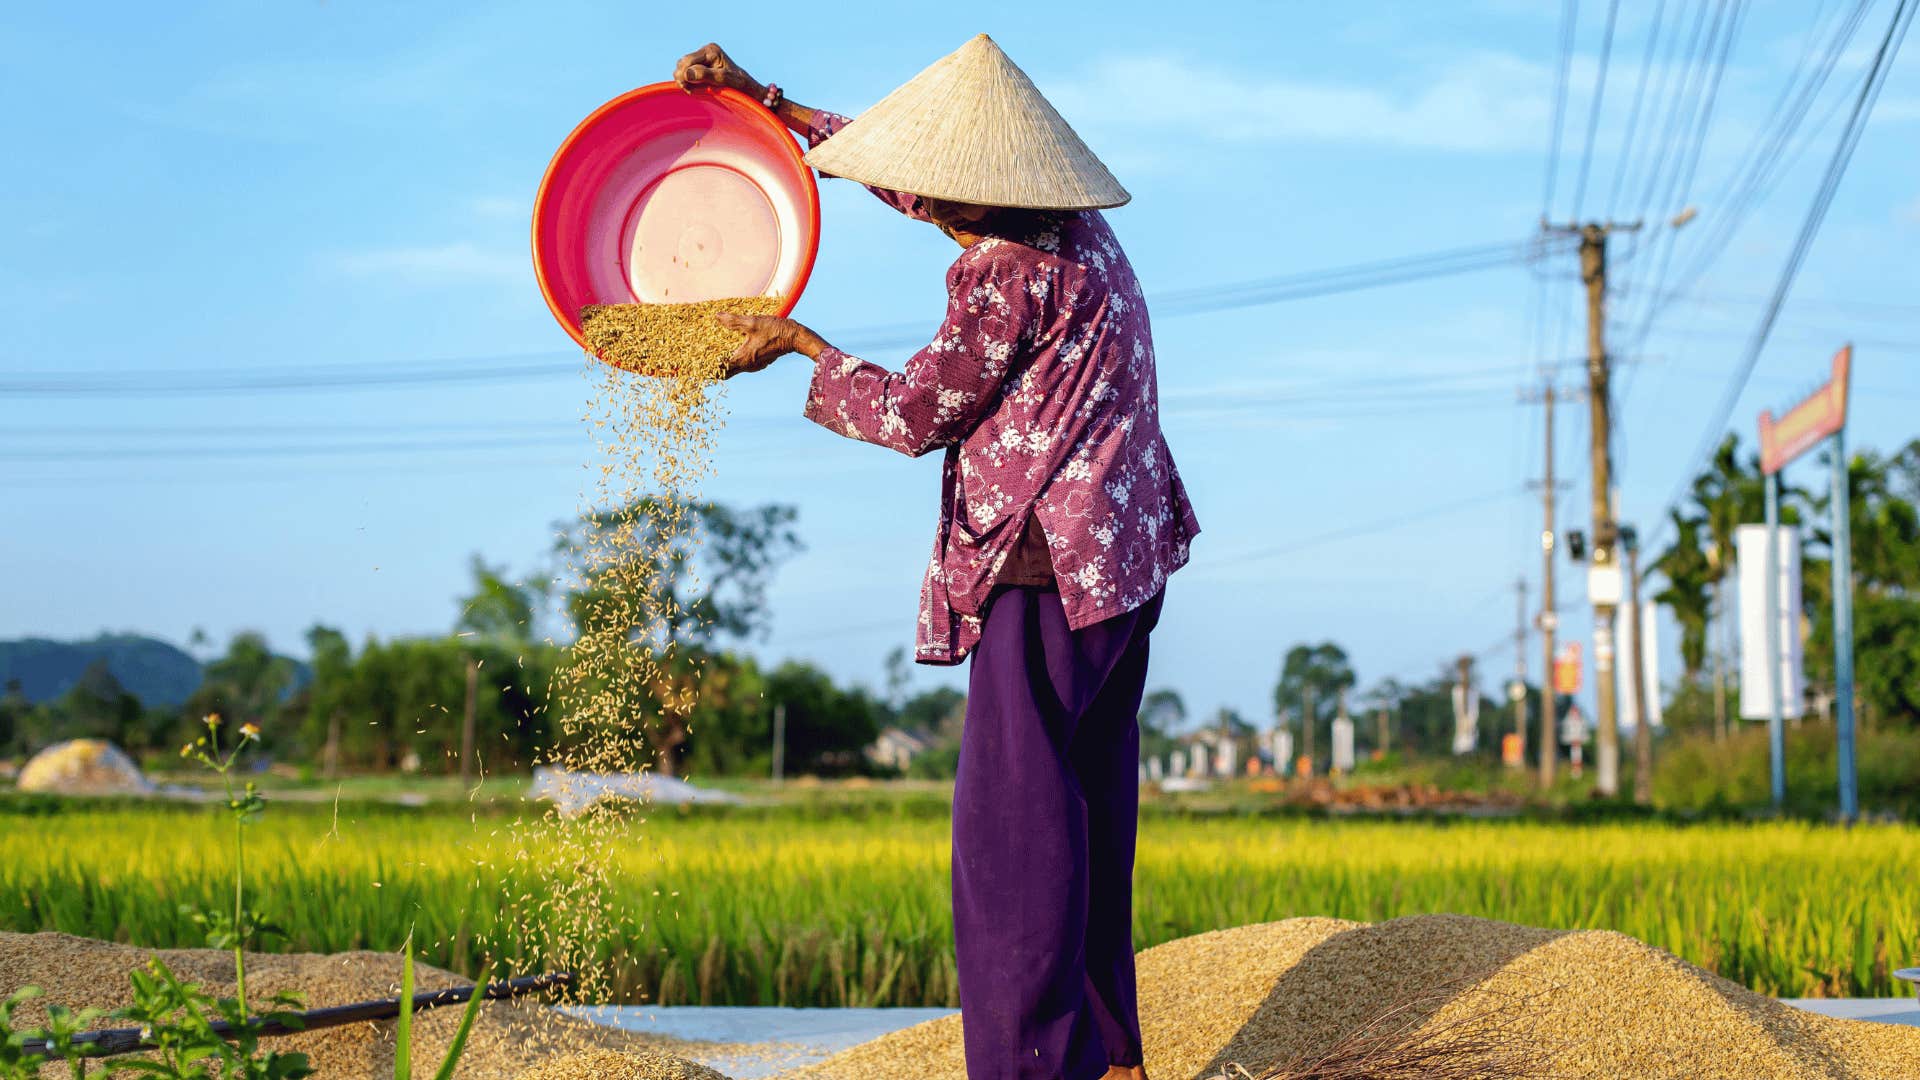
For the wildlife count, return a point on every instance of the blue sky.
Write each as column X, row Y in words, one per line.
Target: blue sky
column 246, row 188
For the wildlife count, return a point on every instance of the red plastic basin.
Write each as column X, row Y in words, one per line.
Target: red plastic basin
column 668, row 196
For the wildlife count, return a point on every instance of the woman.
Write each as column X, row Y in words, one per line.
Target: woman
column 1061, row 517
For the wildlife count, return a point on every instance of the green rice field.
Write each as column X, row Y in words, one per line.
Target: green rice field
column 779, row 907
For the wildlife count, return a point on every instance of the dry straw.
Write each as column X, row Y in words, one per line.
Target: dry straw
column 971, row 128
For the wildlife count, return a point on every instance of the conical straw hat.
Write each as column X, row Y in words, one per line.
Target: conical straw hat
column 972, row 129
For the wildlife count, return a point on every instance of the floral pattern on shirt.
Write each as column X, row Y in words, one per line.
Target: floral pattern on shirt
column 1040, row 387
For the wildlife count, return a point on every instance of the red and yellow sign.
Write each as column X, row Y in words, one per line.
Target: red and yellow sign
column 1566, row 669
column 1807, row 423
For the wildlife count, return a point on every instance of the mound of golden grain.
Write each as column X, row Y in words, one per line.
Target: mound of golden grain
column 1274, row 999
column 615, row 1065
column 507, row 1038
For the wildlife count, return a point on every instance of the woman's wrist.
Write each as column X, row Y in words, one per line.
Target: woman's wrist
column 807, row 343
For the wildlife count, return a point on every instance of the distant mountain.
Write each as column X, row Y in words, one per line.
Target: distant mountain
column 150, row 669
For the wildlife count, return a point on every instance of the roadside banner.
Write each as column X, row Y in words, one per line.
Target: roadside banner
column 1566, row 669
column 1756, row 684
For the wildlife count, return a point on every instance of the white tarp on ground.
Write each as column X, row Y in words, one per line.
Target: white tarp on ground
column 573, row 792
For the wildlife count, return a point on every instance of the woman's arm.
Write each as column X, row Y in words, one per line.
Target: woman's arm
column 709, row 65
column 945, row 388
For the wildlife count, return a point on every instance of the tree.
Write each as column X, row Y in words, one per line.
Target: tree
column 1162, row 715
column 699, row 583
column 941, row 710
column 1885, row 529
column 95, row 707
column 1726, row 495
column 899, row 676
column 247, row 685
column 1688, row 592
column 1312, row 677
column 496, row 608
column 828, row 728
column 326, row 698
column 14, row 712
column 708, row 580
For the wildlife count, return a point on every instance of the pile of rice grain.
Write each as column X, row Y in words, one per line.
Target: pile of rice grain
column 612, row 1065
column 507, row 1038
column 1586, row 1004
column 655, row 339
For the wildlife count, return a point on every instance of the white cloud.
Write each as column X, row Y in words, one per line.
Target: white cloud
column 1910, row 213
column 500, row 207
column 1484, row 102
column 434, row 263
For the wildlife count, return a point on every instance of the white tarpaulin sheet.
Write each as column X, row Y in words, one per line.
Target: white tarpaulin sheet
column 573, row 792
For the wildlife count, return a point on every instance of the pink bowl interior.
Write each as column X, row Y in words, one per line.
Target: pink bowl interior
column 665, row 196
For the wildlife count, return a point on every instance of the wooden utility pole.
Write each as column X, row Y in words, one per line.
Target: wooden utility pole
column 1604, row 574
column 779, row 742
column 330, row 755
column 1643, row 720
column 466, row 723
column 1519, row 695
column 1306, row 725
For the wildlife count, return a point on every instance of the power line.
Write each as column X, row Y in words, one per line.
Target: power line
column 1816, row 215
column 1388, row 524
column 1627, row 145
column 1681, row 84
column 1593, row 113
column 1681, row 183
column 1749, row 183
column 1176, row 302
column 1569, row 16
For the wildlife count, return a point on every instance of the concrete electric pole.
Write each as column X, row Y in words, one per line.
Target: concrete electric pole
column 1548, row 620
column 1642, row 722
column 1519, row 695
column 1603, row 577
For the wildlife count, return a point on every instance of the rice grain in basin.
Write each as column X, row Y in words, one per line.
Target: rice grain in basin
column 669, row 339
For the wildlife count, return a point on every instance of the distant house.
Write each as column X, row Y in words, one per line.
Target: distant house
column 897, row 746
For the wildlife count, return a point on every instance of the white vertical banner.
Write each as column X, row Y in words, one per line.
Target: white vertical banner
column 1226, row 756
column 1466, row 719
column 1283, row 751
column 1750, row 547
column 1343, row 744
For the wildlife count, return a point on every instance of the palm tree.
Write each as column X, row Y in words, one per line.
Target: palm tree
column 1727, row 494
column 1688, row 592
column 1312, row 677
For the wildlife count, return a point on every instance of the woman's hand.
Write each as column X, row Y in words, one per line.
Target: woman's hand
column 710, row 65
column 768, row 339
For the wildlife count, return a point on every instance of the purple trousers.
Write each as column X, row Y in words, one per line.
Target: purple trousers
column 1044, row 813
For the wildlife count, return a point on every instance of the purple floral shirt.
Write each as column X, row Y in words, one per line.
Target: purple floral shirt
column 1040, row 387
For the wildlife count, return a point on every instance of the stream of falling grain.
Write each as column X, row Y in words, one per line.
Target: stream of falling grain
column 630, row 671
